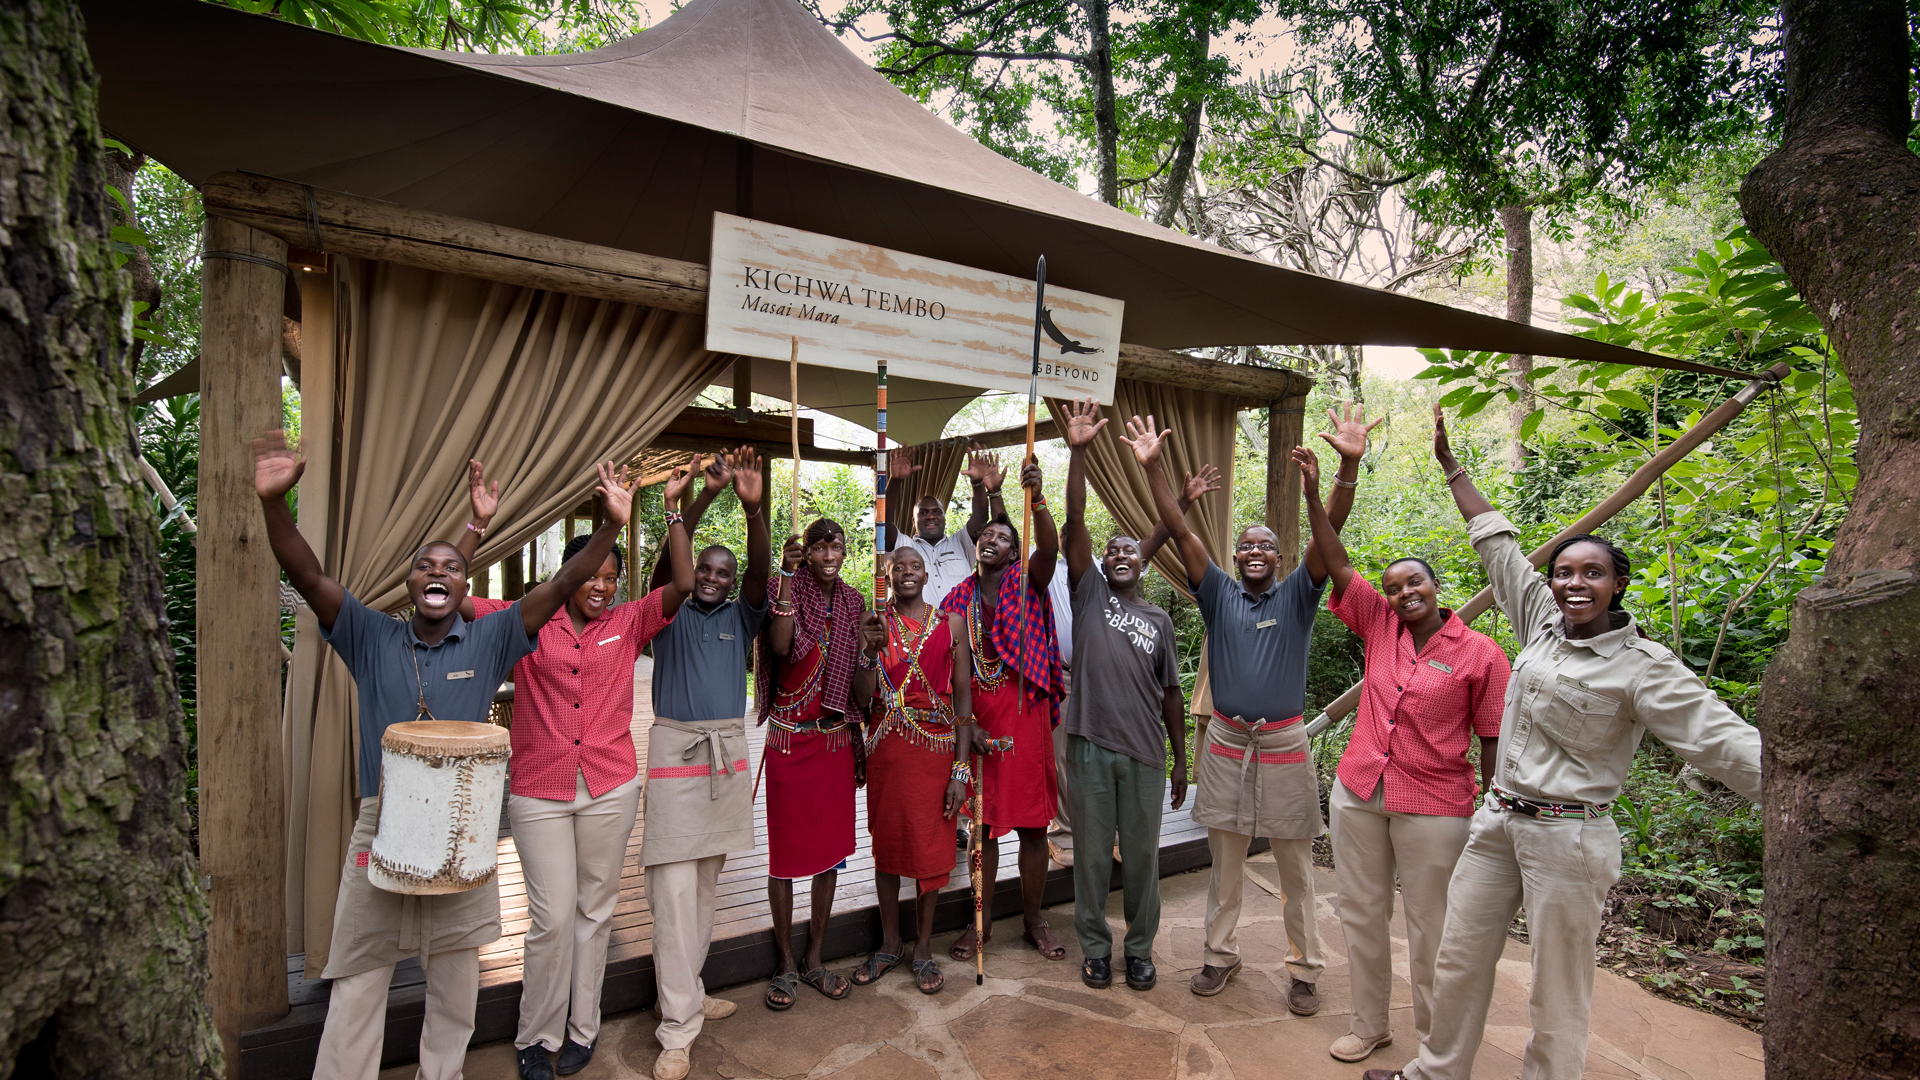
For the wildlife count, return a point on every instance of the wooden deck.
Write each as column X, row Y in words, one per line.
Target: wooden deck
column 742, row 948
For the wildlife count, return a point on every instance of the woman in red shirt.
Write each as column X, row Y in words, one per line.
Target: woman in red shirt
column 574, row 783
column 1404, row 799
column 915, row 774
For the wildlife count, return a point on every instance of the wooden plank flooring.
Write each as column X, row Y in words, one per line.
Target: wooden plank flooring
column 742, row 940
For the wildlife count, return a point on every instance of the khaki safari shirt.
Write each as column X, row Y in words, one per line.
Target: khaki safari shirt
column 1575, row 709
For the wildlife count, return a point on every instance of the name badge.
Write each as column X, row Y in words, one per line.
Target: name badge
column 609, row 641
column 1448, row 668
column 726, row 637
column 1264, row 625
column 459, row 674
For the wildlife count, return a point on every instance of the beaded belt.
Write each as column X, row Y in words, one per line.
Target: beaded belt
column 1528, row 808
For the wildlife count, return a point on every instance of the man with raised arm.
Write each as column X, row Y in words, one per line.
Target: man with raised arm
column 1120, row 719
column 949, row 559
column 1253, row 775
column 436, row 665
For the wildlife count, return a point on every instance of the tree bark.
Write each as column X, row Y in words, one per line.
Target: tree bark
column 102, row 925
column 1106, row 127
column 1180, row 171
column 1838, row 203
column 1517, row 221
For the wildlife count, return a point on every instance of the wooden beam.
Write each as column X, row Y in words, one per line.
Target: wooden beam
column 345, row 224
column 1258, row 384
column 1015, row 436
column 243, row 825
column 721, row 425
column 1286, row 424
column 668, row 440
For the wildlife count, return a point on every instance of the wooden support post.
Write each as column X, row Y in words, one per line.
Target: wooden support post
column 243, row 831
column 569, row 528
column 743, row 389
column 513, row 578
column 480, row 582
column 1286, row 421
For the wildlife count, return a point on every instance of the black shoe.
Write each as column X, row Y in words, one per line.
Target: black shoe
column 960, row 837
column 574, row 1057
column 533, row 1063
column 1097, row 972
column 1140, row 973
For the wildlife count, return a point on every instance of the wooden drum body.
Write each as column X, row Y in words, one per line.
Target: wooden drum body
column 441, row 782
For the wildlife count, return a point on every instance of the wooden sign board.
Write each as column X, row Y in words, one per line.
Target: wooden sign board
column 853, row 304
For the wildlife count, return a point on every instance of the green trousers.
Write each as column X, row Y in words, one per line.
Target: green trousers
column 1115, row 795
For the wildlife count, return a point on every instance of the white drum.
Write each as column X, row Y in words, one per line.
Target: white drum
column 441, row 782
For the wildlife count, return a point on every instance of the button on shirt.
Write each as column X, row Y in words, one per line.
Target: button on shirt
column 1417, row 708
column 457, row 676
column 1257, row 645
column 573, row 701
column 700, row 661
column 1576, row 708
column 949, row 560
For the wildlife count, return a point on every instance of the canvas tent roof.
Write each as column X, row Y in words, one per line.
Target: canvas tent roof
column 635, row 145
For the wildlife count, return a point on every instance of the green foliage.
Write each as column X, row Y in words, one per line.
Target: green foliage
column 526, row 27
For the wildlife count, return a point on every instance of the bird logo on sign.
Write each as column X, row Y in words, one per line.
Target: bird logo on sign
column 1067, row 344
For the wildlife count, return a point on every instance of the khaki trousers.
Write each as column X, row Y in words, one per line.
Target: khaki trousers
column 351, row 1042
column 681, row 895
column 1371, row 845
column 1295, row 857
column 1559, row 869
column 572, row 853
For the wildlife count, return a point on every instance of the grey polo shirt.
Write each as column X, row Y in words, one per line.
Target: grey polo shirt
column 1257, row 645
column 700, row 661
column 457, row 676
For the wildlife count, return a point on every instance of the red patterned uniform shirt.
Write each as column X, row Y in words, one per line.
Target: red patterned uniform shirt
column 1418, row 710
column 573, row 700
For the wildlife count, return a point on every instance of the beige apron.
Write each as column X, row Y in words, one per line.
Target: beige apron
column 699, row 791
column 1256, row 778
column 373, row 927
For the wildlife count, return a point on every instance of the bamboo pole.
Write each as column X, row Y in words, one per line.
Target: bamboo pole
column 793, row 423
column 1636, row 486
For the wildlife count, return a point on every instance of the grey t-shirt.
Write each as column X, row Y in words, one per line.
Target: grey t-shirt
column 1124, row 659
column 1257, row 645
column 458, row 676
column 700, row 661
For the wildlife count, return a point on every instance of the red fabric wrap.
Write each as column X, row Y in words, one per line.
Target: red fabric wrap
column 809, row 808
column 1022, row 633
column 1019, row 789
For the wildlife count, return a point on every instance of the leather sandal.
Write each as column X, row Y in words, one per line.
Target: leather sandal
column 820, row 978
column 922, row 969
column 786, row 984
column 875, row 966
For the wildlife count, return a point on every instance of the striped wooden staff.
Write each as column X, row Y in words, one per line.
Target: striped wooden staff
column 880, row 491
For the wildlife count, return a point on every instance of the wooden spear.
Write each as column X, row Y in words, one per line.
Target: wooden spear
column 1636, row 486
column 880, row 491
column 1033, row 387
column 793, row 425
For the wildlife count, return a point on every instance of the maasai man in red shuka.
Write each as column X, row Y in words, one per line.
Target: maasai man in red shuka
column 915, row 774
column 1016, row 694
column 803, row 685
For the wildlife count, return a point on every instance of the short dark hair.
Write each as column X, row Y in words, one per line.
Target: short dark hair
column 579, row 544
column 722, row 548
column 1424, row 565
column 1622, row 565
column 824, row 529
column 1006, row 522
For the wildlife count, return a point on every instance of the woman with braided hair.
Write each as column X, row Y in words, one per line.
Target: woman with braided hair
column 1585, row 687
column 803, row 687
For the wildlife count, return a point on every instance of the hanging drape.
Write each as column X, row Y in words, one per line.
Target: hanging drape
column 1203, row 434
column 429, row 370
column 940, row 463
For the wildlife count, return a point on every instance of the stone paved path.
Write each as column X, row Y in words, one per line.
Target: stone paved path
column 1035, row 1019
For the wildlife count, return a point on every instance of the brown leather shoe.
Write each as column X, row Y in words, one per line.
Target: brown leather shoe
column 1211, row 980
column 1301, row 1000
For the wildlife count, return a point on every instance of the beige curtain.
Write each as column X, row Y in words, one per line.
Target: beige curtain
column 940, row 463
column 1203, row 433
column 429, row 370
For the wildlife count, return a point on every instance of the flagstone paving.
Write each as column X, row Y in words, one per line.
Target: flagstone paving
column 1033, row 1018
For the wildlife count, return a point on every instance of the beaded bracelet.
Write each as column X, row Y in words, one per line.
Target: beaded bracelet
column 675, row 517
column 867, row 663
column 477, row 530
column 1345, row 483
column 963, row 772
column 1456, row 474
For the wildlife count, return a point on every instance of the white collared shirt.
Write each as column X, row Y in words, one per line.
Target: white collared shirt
column 949, row 560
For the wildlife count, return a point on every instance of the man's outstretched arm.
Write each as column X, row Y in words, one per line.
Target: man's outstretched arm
column 276, row 468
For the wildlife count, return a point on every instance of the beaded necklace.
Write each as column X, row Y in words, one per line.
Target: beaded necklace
column 914, row 722
column 785, row 702
column 990, row 674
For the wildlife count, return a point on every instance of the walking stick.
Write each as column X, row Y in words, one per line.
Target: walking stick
column 1636, row 486
column 1033, row 387
column 793, row 426
column 880, row 492
column 977, row 870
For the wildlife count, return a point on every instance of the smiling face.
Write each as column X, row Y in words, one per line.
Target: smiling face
column 1121, row 561
column 1254, row 554
column 930, row 519
column 908, row 574
column 1412, row 592
column 438, row 582
column 713, row 575
column 996, row 547
column 590, row 600
column 824, row 558
column 1584, row 584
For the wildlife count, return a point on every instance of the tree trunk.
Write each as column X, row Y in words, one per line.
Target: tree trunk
column 1839, row 205
column 103, row 937
column 1181, row 170
column 1518, row 223
column 1106, row 128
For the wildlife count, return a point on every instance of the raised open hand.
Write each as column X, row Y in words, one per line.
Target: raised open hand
column 983, row 467
column 1309, row 469
column 1442, row 450
column 679, row 481
column 749, row 481
column 1350, row 431
column 485, row 499
column 1083, row 422
column 1204, row 482
column 617, row 491
column 900, row 463
column 718, row 474
column 276, row 466
column 1145, row 439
